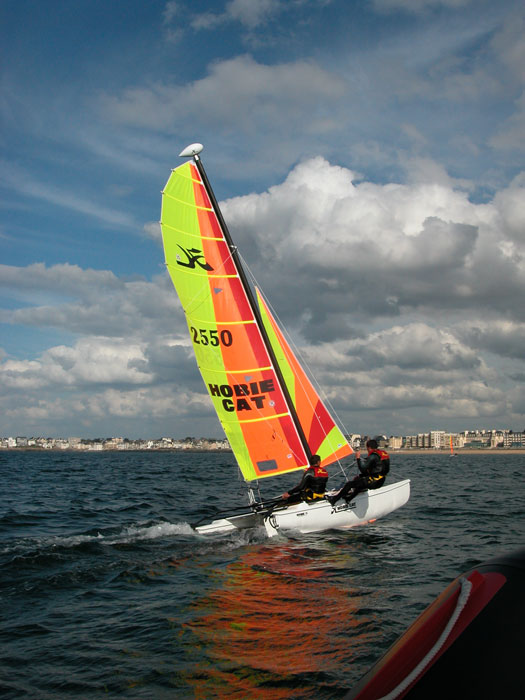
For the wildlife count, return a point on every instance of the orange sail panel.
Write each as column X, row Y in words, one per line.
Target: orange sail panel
column 323, row 436
column 229, row 348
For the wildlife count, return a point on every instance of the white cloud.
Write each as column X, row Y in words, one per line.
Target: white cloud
column 351, row 255
column 64, row 279
column 502, row 337
column 510, row 205
column 249, row 13
column 25, row 184
column 416, row 370
column 172, row 31
column 94, row 302
column 243, row 92
column 417, row 6
column 414, row 347
column 152, row 229
column 130, row 411
column 402, row 297
column 381, row 250
column 90, row 361
column 97, row 381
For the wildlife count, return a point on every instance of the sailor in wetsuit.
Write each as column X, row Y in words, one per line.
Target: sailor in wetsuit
column 373, row 474
column 311, row 487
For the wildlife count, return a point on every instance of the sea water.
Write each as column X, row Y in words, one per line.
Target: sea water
column 107, row 591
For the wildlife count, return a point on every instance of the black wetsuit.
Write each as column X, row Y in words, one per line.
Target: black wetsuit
column 373, row 474
column 311, row 487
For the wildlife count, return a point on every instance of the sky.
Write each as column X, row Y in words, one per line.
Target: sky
column 367, row 155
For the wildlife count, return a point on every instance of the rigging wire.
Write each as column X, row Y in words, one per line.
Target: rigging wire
column 297, row 352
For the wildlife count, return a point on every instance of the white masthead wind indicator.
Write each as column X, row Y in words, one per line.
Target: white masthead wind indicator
column 192, row 150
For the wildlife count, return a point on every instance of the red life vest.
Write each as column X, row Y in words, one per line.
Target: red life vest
column 316, row 484
column 385, row 460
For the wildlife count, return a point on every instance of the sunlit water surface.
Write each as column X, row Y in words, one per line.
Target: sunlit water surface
column 106, row 591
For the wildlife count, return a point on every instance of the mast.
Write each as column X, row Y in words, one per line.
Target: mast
column 194, row 151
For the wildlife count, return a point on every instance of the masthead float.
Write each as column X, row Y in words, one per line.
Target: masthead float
column 271, row 413
column 192, row 150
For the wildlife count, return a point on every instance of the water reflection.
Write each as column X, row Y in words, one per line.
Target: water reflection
column 279, row 625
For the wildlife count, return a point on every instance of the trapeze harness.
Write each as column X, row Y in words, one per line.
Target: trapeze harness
column 316, row 485
column 312, row 486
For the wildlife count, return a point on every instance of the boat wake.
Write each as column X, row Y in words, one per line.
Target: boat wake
column 151, row 532
column 105, row 536
column 127, row 535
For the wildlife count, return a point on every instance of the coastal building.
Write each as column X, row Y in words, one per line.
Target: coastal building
column 354, row 440
column 423, row 440
column 514, row 440
column 437, row 439
column 434, row 439
column 395, row 442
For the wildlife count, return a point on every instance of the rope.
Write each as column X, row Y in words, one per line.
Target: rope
column 466, row 587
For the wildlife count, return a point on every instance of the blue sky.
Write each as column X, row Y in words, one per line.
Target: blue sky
column 368, row 157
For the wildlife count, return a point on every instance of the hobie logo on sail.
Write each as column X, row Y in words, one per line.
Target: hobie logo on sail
column 194, row 257
column 243, row 397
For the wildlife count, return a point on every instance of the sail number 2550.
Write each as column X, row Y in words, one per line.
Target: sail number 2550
column 202, row 336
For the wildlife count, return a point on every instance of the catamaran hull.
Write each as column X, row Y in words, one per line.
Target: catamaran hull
column 320, row 515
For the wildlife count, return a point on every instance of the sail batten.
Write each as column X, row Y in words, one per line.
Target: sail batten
column 264, row 418
column 255, row 402
column 224, row 323
column 187, row 204
column 199, row 274
column 238, row 371
column 188, row 233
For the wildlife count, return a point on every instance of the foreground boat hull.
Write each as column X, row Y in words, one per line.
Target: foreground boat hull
column 467, row 644
column 320, row 515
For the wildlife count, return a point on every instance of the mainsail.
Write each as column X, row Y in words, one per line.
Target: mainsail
column 269, row 411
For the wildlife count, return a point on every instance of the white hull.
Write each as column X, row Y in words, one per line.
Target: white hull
column 314, row 517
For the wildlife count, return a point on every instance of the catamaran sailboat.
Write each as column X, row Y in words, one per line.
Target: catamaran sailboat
column 271, row 413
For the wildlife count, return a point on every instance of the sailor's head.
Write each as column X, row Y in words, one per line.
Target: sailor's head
column 371, row 445
column 315, row 461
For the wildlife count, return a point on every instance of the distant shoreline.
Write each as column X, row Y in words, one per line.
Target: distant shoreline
column 460, row 451
column 175, row 450
column 393, row 452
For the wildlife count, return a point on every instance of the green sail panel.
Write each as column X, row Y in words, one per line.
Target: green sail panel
column 229, row 348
